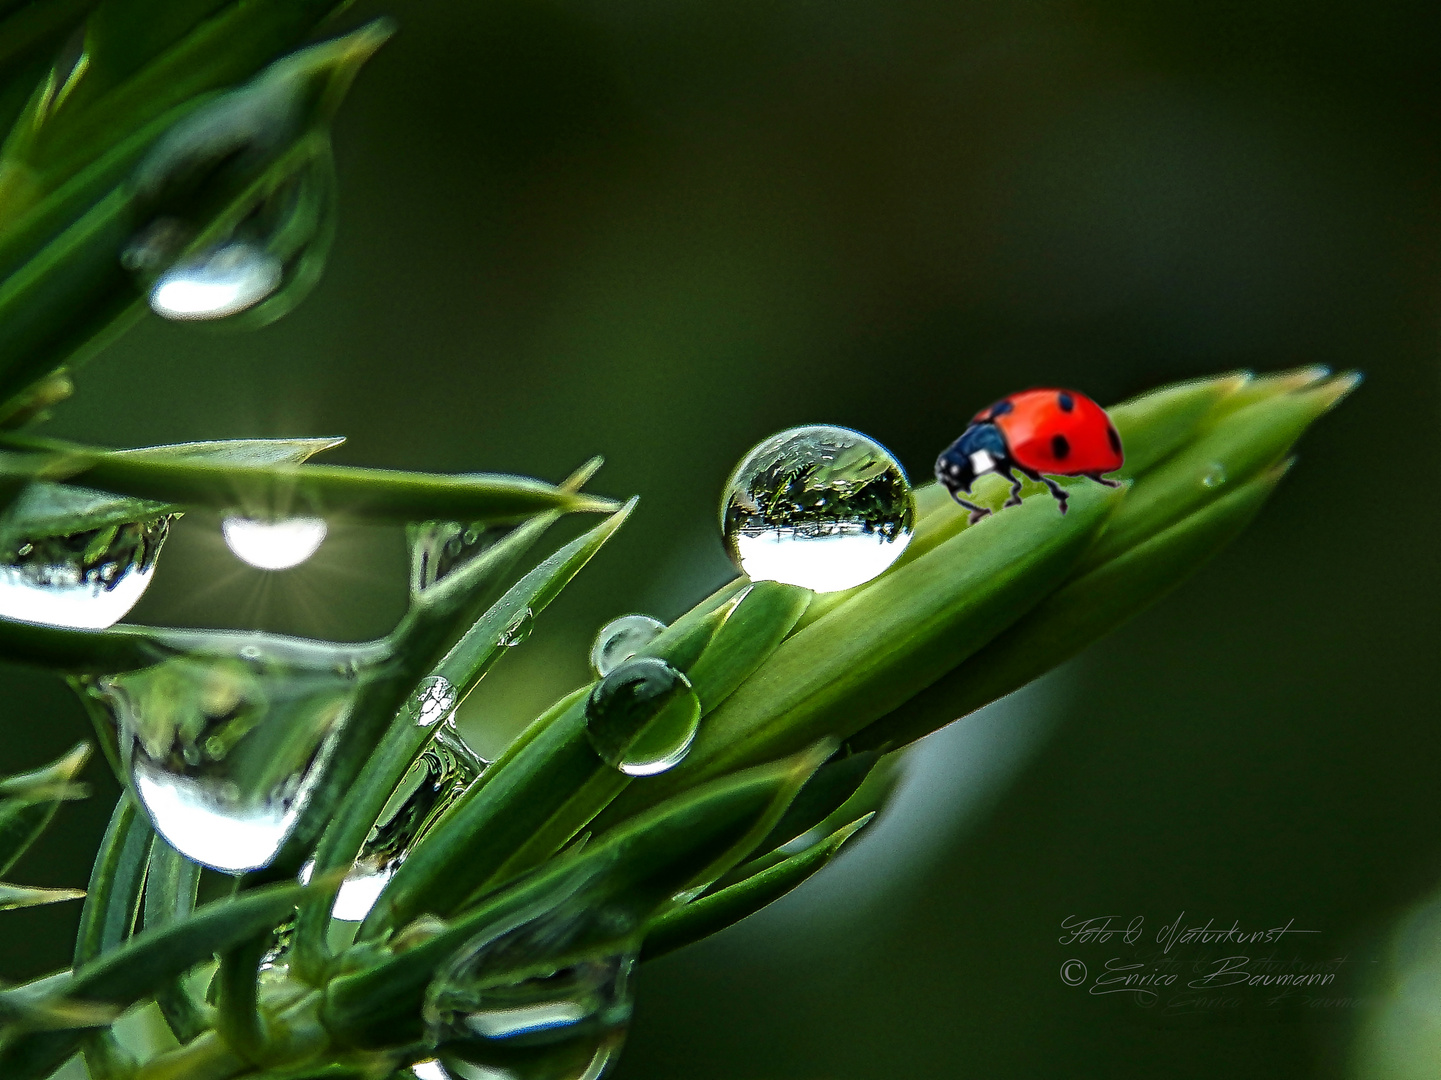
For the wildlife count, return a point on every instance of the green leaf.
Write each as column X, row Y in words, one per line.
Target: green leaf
column 1076, row 615
column 462, row 667
column 50, row 509
column 28, row 802
column 20, row 896
column 714, row 912
column 270, row 490
column 116, row 882
column 170, row 889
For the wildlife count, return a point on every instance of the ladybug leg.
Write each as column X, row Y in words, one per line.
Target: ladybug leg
column 1098, row 478
column 977, row 512
column 1016, row 482
column 1058, row 492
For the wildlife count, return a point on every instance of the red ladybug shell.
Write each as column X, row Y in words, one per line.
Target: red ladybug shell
column 1060, row 432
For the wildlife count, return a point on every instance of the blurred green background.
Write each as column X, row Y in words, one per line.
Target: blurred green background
column 661, row 231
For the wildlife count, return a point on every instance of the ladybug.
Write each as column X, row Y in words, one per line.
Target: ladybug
column 1060, row 432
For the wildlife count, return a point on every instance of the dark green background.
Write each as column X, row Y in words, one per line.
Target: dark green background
column 661, row 230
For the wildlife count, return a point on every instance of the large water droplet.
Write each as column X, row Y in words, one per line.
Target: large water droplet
column 620, row 639
column 1214, row 476
column 87, row 580
column 273, row 545
column 439, row 776
column 548, row 1000
column 642, row 717
column 439, row 548
column 224, row 744
column 822, row 507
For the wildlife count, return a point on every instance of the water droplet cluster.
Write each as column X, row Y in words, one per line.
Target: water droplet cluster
column 825, row 508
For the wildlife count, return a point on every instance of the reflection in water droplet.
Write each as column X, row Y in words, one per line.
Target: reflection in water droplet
column 223, row 282
column 223, row 746
column 87, row 580
column 430, row 1070
column 439, row 548
column 441, row 775
column 518, row 629
column 1215, row 475
column 642, row 717
column 622, row 638
column 548, row 1000
column 273, row 545
column 825, row 508
column 433, row 701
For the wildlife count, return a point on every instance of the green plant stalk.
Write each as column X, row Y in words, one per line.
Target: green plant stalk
column 462, row 667
column 686, row 843
column 547, row 786
column 28, row 802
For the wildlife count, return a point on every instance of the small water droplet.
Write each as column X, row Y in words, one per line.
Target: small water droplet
column 439, row 548
column 221, row 282
column 1214, row 476
column 86, row 580
column 273, row 545
column 825, row 508
column 620, row 639
column 224, row 744
column 439, row 776
column 518, row 629
column 642, row 717
column 548, row 1000
column 433, row 700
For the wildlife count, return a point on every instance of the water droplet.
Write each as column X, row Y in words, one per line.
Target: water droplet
column 439, row 548
column 433, row 701
column 439, row 776
column 642, row 717
column 1214, row 476
column 518, row 629
column 273, row 545
column 548, row 1000
column 822, row 507
column 86, row 580
column 206, row 251
column 225, row 281
column 622, row 638
column 224, row 744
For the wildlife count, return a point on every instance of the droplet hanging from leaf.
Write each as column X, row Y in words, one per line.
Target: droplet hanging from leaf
column 225, row 743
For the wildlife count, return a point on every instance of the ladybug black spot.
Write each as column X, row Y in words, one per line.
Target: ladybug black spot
column 1067, row 403
column 1000, row 408
column 1060, row 447
column 1114, row 438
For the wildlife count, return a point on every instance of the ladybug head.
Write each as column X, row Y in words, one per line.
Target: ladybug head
column 980, row 449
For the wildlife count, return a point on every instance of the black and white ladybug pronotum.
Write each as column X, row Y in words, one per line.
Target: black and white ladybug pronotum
column 1033, row 433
